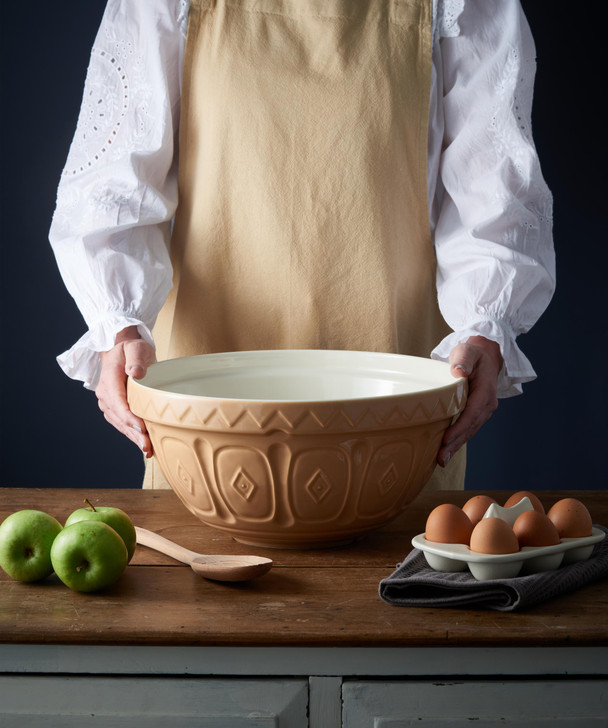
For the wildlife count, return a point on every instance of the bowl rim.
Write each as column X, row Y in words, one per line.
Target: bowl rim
column 448, row 387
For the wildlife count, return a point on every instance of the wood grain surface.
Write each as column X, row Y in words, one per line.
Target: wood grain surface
column 326, row 597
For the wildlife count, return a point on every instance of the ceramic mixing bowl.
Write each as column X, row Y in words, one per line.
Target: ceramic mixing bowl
column 297, row 448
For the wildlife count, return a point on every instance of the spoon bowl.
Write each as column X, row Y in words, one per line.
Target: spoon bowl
column 210, row 566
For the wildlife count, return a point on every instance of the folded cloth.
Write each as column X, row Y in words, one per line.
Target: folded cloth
column 415, row 584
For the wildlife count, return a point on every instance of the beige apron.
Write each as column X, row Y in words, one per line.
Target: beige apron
column 303, row 214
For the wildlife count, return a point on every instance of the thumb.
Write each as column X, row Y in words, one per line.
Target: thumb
column 139, row 355
column 463, row 359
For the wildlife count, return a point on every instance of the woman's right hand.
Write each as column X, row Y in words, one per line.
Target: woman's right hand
column 130, row 356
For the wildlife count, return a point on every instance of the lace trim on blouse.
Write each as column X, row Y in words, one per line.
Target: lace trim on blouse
column 446, row 17
column 116, row 87
column 509, row 123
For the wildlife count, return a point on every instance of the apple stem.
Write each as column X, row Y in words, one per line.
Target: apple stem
column 91, row 506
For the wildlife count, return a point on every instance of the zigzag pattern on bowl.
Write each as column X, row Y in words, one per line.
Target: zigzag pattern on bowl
column 287, row 417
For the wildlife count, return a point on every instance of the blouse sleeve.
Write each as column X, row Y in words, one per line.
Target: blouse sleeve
column 493, row 228
column 118, row 190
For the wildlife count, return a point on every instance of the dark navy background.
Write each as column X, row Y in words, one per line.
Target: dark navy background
column 52, row 433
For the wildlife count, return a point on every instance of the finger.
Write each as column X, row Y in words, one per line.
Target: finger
column 481, row 404
column 470, row 421
column 139, row 355
column 112, row 390
column 141, row 439
column 112, row 395
column 463, row 359
column 133, row 434
column 458, row 434
column 116, row 410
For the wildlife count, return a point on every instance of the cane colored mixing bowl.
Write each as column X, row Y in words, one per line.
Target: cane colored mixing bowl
column 297, row 448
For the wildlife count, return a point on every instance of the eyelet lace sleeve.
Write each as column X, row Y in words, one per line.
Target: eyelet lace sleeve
column 118, row 191
column 493, row 238
column 446, row 14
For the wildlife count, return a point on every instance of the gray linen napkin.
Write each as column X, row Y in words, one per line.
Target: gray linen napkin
column 415, row 584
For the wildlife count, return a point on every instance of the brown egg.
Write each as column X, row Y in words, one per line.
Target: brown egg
column 476, row 507
column 535, row 529
column 516, row 497
column 494, row 536
column 448, row 523
column 571, row 518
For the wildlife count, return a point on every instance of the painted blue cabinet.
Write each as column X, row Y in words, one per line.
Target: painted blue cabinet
column 139, row 687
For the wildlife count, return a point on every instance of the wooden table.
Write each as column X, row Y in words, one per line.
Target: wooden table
column 312, row 635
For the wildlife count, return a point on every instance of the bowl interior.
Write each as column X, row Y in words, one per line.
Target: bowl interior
column 298, row 375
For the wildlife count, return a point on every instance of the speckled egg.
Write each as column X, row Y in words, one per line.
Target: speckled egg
column 571, row 518
column 476, row 507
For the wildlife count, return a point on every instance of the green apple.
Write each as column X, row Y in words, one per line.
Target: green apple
column 114, row 517
column 88, row 555
column 25, row 544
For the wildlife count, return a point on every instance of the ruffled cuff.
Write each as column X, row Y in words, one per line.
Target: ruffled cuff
column 516, row 370
column 82, row 360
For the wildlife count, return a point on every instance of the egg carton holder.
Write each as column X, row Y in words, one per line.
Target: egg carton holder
column 528, row 560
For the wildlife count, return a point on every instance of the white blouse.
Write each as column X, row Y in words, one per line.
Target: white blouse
column 490, row 208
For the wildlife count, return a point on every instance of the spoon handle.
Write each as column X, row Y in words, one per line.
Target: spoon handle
column 159, row 543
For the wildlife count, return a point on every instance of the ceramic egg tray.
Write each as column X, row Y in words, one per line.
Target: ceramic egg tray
column 529, row 559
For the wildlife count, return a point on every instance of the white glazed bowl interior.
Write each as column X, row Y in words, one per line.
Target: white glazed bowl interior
column 298, row 375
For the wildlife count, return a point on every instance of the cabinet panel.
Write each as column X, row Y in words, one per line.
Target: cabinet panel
column 440, row 722
column 139, row 721
column 529, row 704
column 127, row 702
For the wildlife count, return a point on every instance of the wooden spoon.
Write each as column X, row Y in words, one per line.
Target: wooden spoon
column 218, row 568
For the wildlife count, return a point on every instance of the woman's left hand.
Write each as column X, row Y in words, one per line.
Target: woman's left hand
column 479, row 360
